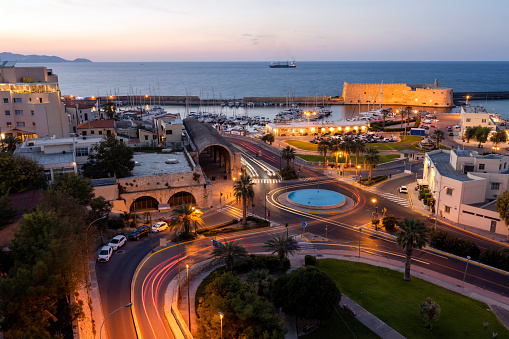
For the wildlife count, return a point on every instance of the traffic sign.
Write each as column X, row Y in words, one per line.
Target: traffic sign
column 304, row 224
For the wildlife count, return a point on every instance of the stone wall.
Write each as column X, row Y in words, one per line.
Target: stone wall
column 397, row 94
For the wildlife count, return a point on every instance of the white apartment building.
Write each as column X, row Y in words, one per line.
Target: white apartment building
column 466, row 185
column 79, row 113
column 30, row 105
column 58, row 155
column 170, row 129
column 477, row 116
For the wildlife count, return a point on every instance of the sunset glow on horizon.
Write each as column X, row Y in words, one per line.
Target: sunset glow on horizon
column 260, row 30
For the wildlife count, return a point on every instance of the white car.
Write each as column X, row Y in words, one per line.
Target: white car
column 403, row 189
column 426, row 121
column 159, row 226
column 117, row 242
column 105, row 254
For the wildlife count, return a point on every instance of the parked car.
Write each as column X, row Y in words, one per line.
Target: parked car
column 105, row 254
column 117, row 242
column 159, row 226
column 451, row 134
column 403, row 189
column 140, row 232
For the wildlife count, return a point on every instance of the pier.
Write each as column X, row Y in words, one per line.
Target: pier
column 496, row 95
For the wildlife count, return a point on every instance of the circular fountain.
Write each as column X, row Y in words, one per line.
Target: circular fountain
column 318, row 199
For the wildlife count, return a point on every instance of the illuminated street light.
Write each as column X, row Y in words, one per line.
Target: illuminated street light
column 118, row 309
column 221, row 316
column 468, row 97
column 188, row 300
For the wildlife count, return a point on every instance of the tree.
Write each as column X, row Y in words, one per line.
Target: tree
column 228, row 252
column 438, row 136
column 111, row 158
column 244, row 193
column 481, row 134
column 20, row 174
column 323, row 148
column 307, row 293
column 358, row 146
column 470, row 133
column 408, row 111
column 259, row 279
column 109, row 109
column 269, row 137
column 413, row 235
column 371, row 158
column 288, row 154
column 389, row 222
column 74, row 185
column 502, row 205
column 283, row 246
column 402, row 112
column 6, row 212
column 186, row 216
column 499, row 137
column 430, row 312
column 384, row 115
column 10, row 142
column 347, row 146
column 335, row 148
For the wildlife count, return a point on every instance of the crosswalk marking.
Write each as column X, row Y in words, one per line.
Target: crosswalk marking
column 232, row 211
column 266, row 181
column 403, row 201
column 315, row 178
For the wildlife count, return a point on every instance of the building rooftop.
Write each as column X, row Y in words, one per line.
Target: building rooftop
column 48, row 159
column 97, row 124
column 149, row 164
column 441, row 161
column 305, row 124
column 39, row 142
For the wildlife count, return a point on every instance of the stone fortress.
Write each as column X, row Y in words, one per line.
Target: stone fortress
column 427, row 95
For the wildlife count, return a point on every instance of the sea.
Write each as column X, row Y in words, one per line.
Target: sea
column 235, row 80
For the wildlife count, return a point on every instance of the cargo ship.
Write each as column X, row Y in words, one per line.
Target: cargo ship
column 279, row 64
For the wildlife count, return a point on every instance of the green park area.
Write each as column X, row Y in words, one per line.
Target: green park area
column 384, row 293
column 315, row 158
column 303, row 145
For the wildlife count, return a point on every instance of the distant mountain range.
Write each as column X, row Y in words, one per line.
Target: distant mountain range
column 6, row 56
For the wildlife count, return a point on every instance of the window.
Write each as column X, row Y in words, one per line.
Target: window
column 505, row 165
column 481, row 166
column 20, row 124
column 100, row 132
column 483, row 121
column 146, row 137
column 169, row 131
column 32, row 112
column 18, row 100
column 447, row 209
column 7, row 112
column 6, row 100
column 33, row 124
column 9, row 124
column 81, row 152
column 29, row 99
column 468, row 119
column 47, row 173
column 18, row 112
column 92, row 132
column 495, row 185
column 448, row 191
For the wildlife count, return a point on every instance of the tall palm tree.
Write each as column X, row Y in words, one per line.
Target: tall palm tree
column 335, row 147
column 186, row 216
column 438, row 136
column 323, row 148
column 148, row 218
column 244, row 193
column 347, row 148
column 228, row 252
column 402, row 112
column 288, row 153
column 358, row 146
column 408, row 110
column 10, row 142
column 283, row 246
column 258, row 278
column 371, row 158
column 413, row 235
column 384, row 115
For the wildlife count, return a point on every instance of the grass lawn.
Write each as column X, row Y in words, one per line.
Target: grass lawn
column 341, row 325
column 302, row 145
column 407, row 142
column 383, row 158
column 384, row 293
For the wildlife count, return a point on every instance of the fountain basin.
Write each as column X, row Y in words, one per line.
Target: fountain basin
column 318, row 199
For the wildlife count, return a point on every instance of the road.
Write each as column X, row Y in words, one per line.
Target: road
column 343, row 231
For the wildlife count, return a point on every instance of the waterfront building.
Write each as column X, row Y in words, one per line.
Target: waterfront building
column 477, row 116
column 320, row 127
column 30, row 105
column 427, row 95
column 170, row 129
column 465, row 186
column 96, row 127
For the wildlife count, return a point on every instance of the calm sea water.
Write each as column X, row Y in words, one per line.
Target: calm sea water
column 229, row 80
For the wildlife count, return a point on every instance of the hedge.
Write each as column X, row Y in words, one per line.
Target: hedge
column 374, row 180
column 443, row 241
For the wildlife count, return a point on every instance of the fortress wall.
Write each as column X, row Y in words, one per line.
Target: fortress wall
column 397, row 94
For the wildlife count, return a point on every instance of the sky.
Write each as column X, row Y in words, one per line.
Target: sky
column 258, row 30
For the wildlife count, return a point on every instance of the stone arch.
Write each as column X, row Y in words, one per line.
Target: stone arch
column 181, row 197
column 144, row 203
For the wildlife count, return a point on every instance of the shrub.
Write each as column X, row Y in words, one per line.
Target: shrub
column 288, row 173
column 495, row 258
column 184, row 237
column 374, row 180
column 310, row 260
column 389, row 222
column 441, row 240
column 270, row 263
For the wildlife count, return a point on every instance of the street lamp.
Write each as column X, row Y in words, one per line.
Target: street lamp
column 375, row 215
column 360, row 231
column 465, row 274
column 468, row 97
column 221, row 315
column 178, row 256
column 118, row 309
column 436, row 208
column 188, row 300
column 266, row 198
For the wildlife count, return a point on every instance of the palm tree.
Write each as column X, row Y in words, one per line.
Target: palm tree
column 148, row 217
column 402, row 112
column 335, row 147
column 185, row 216
column 228, row 252
column 258, row 278
column 10, row 142
column 109, row 109
column 244, row 193
column 347, row 148
column 323, row 148
column 358, row 146
column 283, row 246
column 438, row 136
column 384, row 115
column 288, row 153
column 371, row 158
column 408, row 110
column 413, row 235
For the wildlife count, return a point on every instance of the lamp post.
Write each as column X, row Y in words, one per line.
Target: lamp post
column 360, row 231
column 118, row 309
column 468, row 97
column 178, row 256
column 188, row 301
column 221, row 315
column 375, row 214
column 266, row 198
column 436, row 209
column 465, row 274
